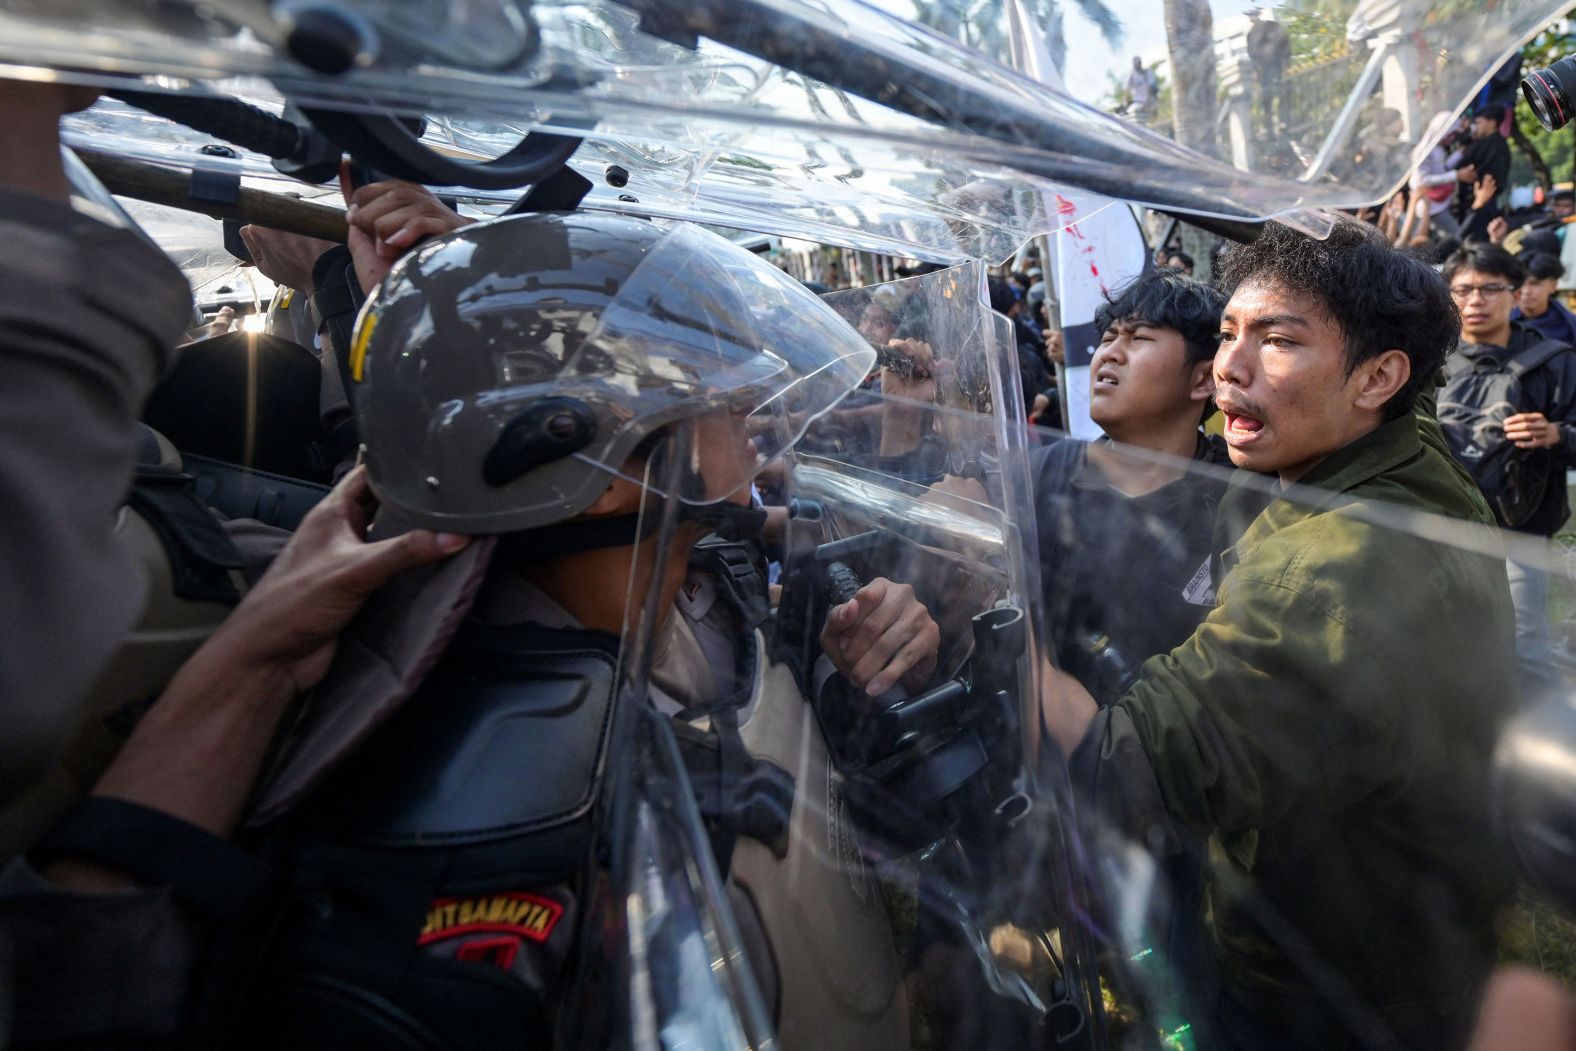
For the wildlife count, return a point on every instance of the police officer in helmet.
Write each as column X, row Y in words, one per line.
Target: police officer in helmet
column 556, row 381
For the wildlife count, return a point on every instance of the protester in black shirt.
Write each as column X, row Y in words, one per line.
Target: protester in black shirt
column 1125, row 523
column 1487, row 156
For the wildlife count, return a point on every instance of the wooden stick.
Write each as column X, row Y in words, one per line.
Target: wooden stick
column 169, row 186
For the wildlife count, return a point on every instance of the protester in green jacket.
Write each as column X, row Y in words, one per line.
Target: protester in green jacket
column 1329, row 725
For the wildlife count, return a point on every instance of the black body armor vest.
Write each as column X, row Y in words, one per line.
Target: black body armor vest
column 445, row 888
column 433, row 888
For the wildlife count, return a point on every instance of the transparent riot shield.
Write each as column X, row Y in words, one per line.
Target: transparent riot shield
column 682, row 973
column 947, row 130
column 907, row 581
column 848, row 668
column 662, row 961
column 1301, row 728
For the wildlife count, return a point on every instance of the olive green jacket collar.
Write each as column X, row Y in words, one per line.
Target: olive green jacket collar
column 1385, row 447
column 1252, row 496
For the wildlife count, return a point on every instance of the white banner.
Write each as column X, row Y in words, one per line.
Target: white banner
column 1100, row 250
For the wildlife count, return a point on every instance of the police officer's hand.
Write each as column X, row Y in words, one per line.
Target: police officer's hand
column 222, row 323
column 1531, row 430
column 882, row 637
column 388, row 219
column 291, row 619
column 285, row 259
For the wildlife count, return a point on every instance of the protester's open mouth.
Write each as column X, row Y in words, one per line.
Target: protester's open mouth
column 1241, row 429
column 1105, row 378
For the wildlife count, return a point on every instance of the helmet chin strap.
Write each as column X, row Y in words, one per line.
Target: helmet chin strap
column 729, row 521
column 581, row 534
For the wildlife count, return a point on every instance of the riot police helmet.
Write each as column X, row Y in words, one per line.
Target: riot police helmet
column 507, row 372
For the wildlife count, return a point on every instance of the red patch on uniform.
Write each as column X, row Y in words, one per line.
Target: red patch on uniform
column 524, row 915
column 499, row 951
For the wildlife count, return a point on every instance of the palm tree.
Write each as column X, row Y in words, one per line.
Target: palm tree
column 1190, row 39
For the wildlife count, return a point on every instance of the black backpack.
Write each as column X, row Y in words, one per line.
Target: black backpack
column 1480, row 393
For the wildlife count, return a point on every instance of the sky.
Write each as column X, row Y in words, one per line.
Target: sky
column 1090, row 58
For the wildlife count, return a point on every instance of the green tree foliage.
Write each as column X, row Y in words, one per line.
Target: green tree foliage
column 1555, row 149
column 1317, row 29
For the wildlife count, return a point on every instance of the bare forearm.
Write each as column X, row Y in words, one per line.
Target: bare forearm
column 901, row 430
column 198, row 751
column 776, row 528
column 1067, row 709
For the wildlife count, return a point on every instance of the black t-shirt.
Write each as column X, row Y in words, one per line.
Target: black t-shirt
column 1125, row 578
column 1490, row 156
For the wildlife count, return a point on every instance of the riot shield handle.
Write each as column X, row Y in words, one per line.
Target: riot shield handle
column 999, row 636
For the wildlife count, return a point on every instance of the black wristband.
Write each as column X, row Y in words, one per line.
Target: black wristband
column 210, row 874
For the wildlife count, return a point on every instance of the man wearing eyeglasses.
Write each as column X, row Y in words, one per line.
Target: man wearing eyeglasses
column 1509, row 410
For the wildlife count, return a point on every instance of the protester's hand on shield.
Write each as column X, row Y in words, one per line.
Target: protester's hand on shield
column 222, row 322
column 959, row 487
column 882, row 637
column 908, row 369
column 388, row 219
column 1066, row 707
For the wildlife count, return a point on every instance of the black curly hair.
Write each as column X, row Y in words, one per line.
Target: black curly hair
column 1379, row 297
column 1171, row 299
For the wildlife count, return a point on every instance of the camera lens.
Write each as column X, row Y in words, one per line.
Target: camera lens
column 1550, row 91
